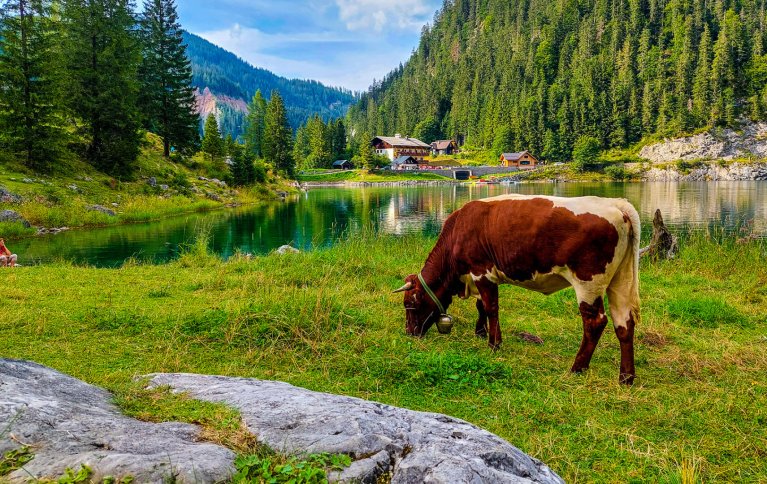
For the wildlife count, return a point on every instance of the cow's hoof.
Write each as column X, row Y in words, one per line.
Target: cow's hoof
column 494, row 346
column 627, row 379
column 481, row 334
column 578, row 369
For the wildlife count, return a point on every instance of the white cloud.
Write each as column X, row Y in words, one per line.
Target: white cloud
column 383, row 14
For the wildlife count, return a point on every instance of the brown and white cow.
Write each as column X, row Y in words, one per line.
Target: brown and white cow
column 544, row 244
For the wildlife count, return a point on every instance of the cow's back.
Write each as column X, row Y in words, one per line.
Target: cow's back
column 524, row 235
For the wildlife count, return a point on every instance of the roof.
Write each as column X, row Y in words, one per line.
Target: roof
column 402, row 159
column 403, row 142
column 340, row 162
column 442, row 144
column 434, row 163
column 515, row 156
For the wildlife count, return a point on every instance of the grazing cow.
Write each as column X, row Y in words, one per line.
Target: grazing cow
column 544, row 244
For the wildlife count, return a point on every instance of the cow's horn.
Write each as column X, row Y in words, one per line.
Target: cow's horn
column 404, row 288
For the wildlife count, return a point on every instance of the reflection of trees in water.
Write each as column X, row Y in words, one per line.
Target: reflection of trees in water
column 321, row 217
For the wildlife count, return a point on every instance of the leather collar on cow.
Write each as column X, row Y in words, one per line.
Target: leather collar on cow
column 431, row 294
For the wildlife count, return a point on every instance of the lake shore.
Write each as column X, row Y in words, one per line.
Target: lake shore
column 301, row 318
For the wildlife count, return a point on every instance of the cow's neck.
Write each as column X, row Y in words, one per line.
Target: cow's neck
column 438, row 274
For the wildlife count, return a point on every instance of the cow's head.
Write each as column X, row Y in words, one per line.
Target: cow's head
column 420, row 311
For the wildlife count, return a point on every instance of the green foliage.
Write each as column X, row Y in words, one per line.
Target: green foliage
column 243, row 167
column 278, row 137
column 102, row 56
column 212, row 143
column 167, row 98
column 15, row 459
column 539, row 75
column 31, row 114
column 617, row 173
column 254, row 128
column 585, row 152
column 308, row 470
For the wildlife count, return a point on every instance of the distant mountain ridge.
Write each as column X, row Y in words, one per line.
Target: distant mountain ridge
column 225, row 84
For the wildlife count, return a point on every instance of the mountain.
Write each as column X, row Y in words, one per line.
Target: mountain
column 539, row 74
column 225, row 84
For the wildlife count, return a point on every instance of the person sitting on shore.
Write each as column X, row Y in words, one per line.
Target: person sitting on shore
column 6, row 258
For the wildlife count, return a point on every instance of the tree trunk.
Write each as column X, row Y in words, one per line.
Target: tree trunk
column 664, row 244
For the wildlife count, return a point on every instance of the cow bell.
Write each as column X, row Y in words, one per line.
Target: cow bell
column 445, row 324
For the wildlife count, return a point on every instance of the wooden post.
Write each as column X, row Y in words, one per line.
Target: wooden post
column 664, row 244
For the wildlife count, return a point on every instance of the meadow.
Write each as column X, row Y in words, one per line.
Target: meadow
column 327, row 320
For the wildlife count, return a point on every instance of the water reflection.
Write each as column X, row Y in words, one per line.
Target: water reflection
column 322, row 216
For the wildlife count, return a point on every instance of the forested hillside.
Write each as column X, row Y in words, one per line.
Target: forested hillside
column 539, row 74
column 229, row 79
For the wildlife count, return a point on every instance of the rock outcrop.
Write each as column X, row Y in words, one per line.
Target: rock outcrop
column 718, row 144
column 709, row 172
column 408, row 446
column 68, row 423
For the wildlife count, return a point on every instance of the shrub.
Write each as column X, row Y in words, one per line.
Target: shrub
column 617, row 173
column 586, row 152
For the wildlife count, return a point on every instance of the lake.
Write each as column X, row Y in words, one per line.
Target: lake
column 320, row 217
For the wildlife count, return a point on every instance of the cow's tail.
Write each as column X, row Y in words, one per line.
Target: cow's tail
column 629, row 269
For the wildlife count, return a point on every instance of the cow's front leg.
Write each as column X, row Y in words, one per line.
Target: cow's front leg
column 594, row 322
column 488, row 291
column 481, row 329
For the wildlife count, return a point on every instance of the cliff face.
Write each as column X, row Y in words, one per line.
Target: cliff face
column 207, row 103
column 709, row 172
column 717, row 144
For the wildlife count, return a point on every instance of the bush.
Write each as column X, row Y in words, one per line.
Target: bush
column 586, row 152
column 617, row 173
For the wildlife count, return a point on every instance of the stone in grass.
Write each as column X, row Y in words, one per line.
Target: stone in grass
column 286, row 249
column 67, row 423
column 102, row 209
column 386, row 442
column 11, row 216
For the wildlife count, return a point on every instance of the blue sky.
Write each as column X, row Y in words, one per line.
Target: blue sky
column 345, row 43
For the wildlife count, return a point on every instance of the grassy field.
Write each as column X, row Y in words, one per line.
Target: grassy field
column 327, row 320
column 63, row 197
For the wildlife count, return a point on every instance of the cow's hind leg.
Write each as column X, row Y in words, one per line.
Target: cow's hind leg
column 594, row 322
column 481, row 329
column 623, row 320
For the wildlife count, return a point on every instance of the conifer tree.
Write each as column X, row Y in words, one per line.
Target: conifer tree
column 30, row 114
column 103, row 54
column 167, row 96
column 254, row 129
column 212, row 143
column 278, row 137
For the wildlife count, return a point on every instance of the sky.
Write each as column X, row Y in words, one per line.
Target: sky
column 343, row 43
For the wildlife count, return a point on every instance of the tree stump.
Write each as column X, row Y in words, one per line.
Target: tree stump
column 664, row 244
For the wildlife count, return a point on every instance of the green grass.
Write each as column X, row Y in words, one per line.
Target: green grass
column 326, row 320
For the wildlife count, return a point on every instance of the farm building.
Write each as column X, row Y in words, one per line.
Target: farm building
column 444, row 147
column 342, row 165
column 523, row 160
column 396, row 146
column 404, row 163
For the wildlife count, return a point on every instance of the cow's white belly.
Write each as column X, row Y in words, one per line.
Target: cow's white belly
column 548, row 283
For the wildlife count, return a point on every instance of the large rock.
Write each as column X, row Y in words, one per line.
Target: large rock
column 8, row 197
column 68, row 423
column 11, row 216
column 724, row 144
column 411, row 447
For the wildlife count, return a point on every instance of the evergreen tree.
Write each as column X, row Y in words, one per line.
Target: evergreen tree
column 167, row 97
column 337, row 133
column 278, row 137
column 30, row 116
column 242, row 167
column 318, row 135
column 102, row 54
column 254, row 127
column 212, row 143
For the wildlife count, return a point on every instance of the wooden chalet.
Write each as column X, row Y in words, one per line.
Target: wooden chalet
column 523, row 160
column 444, row 147
column 396, row 146
column 343, row 165
column 405, row 163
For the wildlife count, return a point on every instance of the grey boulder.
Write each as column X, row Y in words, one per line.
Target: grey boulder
column 408, row 446
column 11, row 216
column 68, row 423
column 102, row 209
